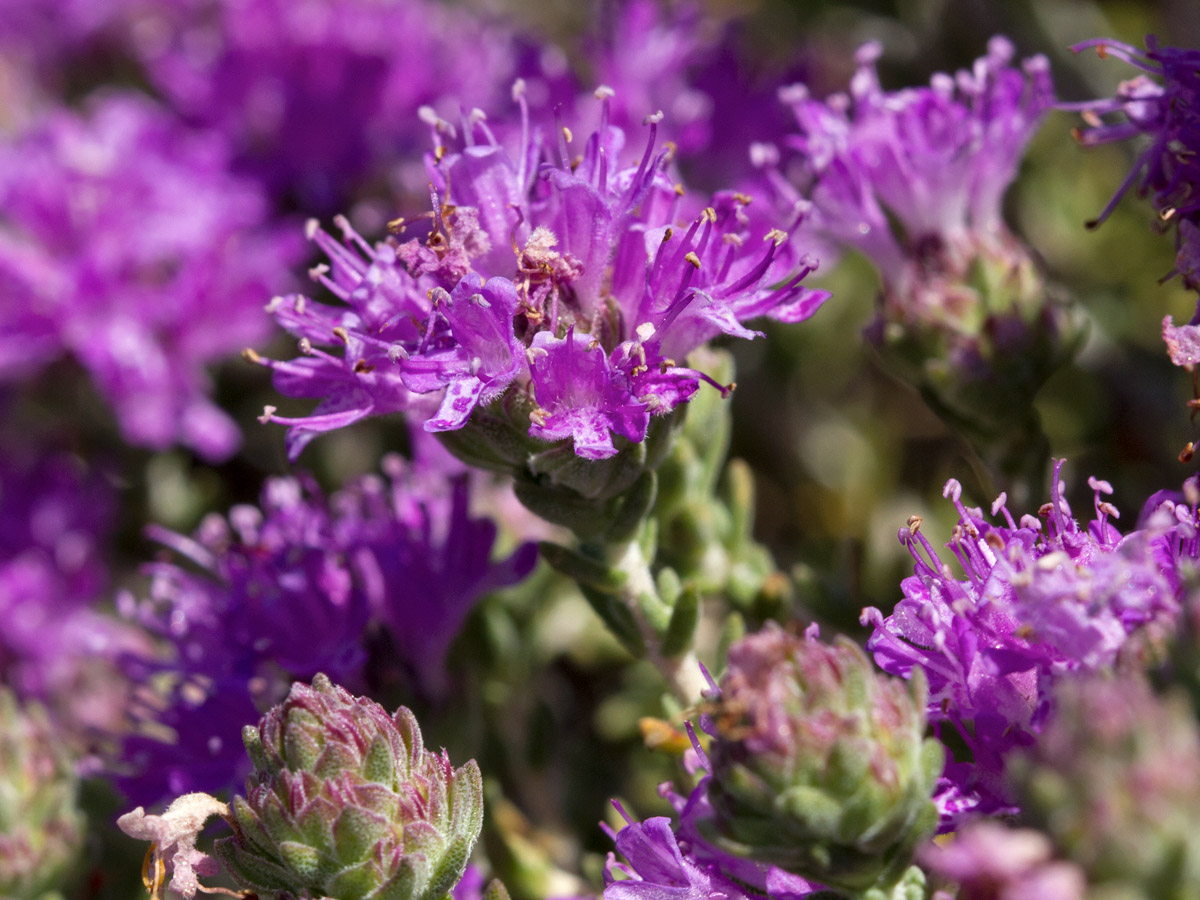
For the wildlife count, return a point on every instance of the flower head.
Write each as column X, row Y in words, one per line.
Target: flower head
column 288, row 588
column 127, row 244
column 1038, row 599
column 574, row 287
column 914, row 179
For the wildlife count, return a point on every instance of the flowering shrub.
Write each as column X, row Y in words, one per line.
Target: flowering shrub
column 561, row 268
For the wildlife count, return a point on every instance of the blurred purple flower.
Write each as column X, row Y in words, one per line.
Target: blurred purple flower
column 936, row 159
column 422, row 559
column 55, row 647
column 989, row 861
column 126, row 243
column 316, row 96
column 522, row 248
column 287, row 590
column 1036, row 602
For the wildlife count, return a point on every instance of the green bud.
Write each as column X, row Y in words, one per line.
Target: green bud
column 41, row 828
column 977, row 330
column 346, row 803
column 819, row 764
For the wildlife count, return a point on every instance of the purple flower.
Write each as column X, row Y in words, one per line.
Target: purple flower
column 316, row 96
column 574, row 282
column 1167, row 111
column 914, row 179
column 658, row 867
column 128, row 245
column 55, row 647
column 991, row 862
column 422, row 558
column 273, row 599
column 938, row 159
column 1037, row 601
column 286, row 590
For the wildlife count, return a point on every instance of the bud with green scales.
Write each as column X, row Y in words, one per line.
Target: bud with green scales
column 345, row 802
column 41, row 828
column 819, row 763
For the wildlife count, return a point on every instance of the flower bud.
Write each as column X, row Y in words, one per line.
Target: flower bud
column 346, row 802
column 973, row 325
column 819, row 765
column 41, row 828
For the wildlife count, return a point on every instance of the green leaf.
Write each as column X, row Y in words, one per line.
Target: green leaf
column 449, row 869
column 353, row 883
column 682, row 626
column 356, row 832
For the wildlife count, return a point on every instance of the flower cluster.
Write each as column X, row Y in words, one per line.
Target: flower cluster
column 818, row 776
column 126, row 243
column 543, row 305
column 287, row 589
column 914, row 179
column 1038, row 598
column 318, row 97
column 576, row 286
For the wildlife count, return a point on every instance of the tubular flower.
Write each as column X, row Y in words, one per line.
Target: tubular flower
column 345, row 801
column 1037, row 601
column 126, row 242
column 914, row 179
column 819, row 764
column 573, row 289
